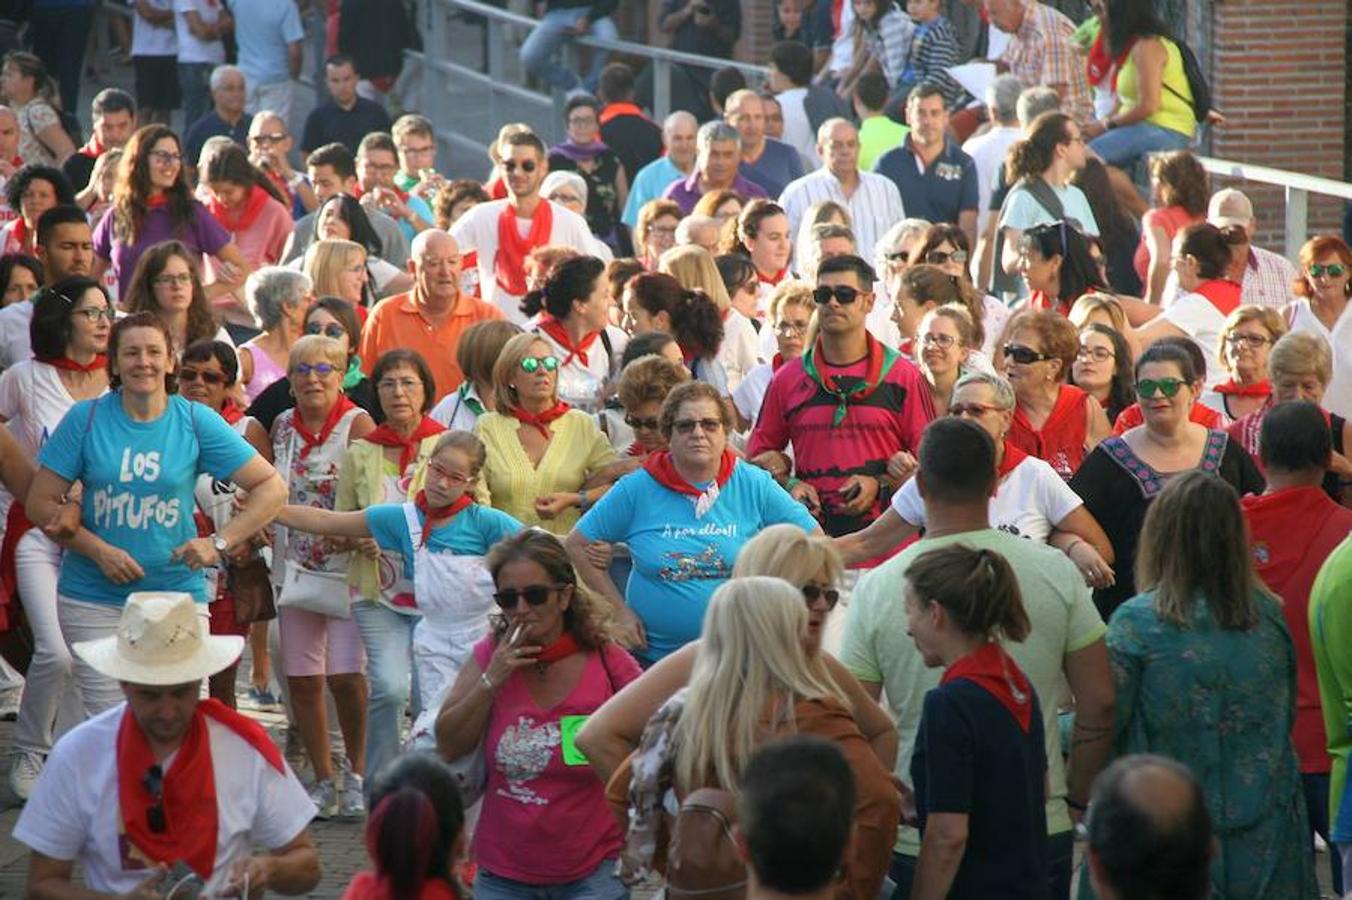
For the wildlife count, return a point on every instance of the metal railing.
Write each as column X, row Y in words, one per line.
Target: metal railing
column 1298, row 189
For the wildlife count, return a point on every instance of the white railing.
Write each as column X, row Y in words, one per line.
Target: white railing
column 1298, row 189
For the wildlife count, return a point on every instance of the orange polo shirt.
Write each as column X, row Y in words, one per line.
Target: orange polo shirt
column 397, row 323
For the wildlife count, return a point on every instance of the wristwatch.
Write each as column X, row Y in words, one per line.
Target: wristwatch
column 220, row 543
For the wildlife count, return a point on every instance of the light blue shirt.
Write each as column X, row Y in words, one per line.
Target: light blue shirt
column 1022, row 211
column 422, row 210
column 138, row 488
column 263, row 29
column 679, row 560
column 471, row 533
column 649, row 184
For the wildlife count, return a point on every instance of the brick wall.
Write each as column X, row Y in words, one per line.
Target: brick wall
column 1279, row 74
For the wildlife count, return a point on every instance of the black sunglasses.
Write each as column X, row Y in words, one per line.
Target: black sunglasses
column 332, row 329
column 535, row 595
column 642, row 424
column 811, row 592
column 1024, row 355
column 843, row 294
column 528, row 166
column 154, row 783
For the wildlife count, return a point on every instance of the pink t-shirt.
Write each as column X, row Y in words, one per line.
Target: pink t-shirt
column 545, row 821
column 1168, row 218
column 261, row 244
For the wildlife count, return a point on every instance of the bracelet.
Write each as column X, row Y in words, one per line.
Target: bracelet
column 484, row 680
column 1075, row 541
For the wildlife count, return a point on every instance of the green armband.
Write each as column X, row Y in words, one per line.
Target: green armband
column 792, row 483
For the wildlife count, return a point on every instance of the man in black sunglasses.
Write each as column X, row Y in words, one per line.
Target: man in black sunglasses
column 849, row 406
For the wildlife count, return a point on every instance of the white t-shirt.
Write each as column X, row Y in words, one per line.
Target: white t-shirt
column 583, row 386
column 1029, row 502
column 1199, row 319
column 742, row 348
column 454, row 412
column 34, row 401
column 1338, row 395
column 190, row 49
column 153, row 40
column 750, row 394
column 74, row 814
column 14, row 343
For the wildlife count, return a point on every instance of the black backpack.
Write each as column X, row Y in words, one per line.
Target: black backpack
column 1192, row 71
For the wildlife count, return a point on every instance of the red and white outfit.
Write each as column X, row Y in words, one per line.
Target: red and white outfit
column 1200, row 314
column 1061, row 439
column 1338, row 395
column 585, row 369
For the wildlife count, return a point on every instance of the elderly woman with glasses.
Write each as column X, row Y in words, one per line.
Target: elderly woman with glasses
column 1246, row 341
column 278, row 298
column 1030, row 499
column 1321, row 308
column 685, row 516
column 891, row 258
column 569, row 190
column 586, row 154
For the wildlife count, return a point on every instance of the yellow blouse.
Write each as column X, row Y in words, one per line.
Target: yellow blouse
column 510, row 483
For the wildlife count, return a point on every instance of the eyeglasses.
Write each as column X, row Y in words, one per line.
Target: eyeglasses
column 94, row 313
column 532, row 364
column 1333, row 270
column 165, row 158
column 510, row 166
column 454, row 478
column 535, row 595
column 331, row 330
column 203, row 375
column 418, row 151
column 942, row 341
column 642, row 424
column 939, row 257
column 1097, row 354
column 1252, row 341
column 812, row 592
column 896, row 256
column 791, row 329
column 1024, row 355
column 662, row 231
column 582, row 120
column 961, row 410
column 266, row 139
column 323, row 370
column 843, row 294
column 184, row 278
column 1149, row 387
column 407, row 385
column 379, row 167
column 154, row 784
column 687, row 426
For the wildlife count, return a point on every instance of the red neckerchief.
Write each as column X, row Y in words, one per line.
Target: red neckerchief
column 772, row 280
column 93, row 148
column 155, row 201
column 97, row 364
column 1100, row 63
column 234, row 221
column 776, row 361
column 440, row 512
column 19, row 232
column 540, row 421
column 313, row 440
column 17, row 162
column 1222, row 293
column 615, row 110
column 231, row 411
column 188, row 795
column 663, row 470
column 510, row 263
column 386, row 436
column 556, row 330
column 1009, row 461
column 636, row 449
column 990, row 668
column 837, row 11
column 563, row 646
column 1233, row 388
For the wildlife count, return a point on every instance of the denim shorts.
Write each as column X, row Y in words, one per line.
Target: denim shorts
column 601, row 884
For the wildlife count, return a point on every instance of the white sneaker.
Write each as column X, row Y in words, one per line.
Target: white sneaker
column 351, row 802
column 325, row 796
column 24, row 770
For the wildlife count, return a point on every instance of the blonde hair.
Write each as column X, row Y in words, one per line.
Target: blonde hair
column 788, row 552
column 1088, row 304
column 468, row 443
column 693, row 267
column 325, row 260
column 961, row 319
column 751, row 663
column 1270, row 319
column 1301, row 353
column 316, row 346
column 515, row 350
column 790, row 292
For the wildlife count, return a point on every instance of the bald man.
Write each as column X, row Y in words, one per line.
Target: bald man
column 770, row 163
column 431, row 317
column 678, row 138
column 270, row 144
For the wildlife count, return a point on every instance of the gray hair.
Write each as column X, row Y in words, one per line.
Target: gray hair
column 220, row 73
column 563, row 178
column 824, row 130
column 679, row 117
column 271, row 289
column 715, row 132
column 824, row 231
column 1035, row 101
column 1003, row 98
column 1000, row 387
column 686, row 227
column 900, row 233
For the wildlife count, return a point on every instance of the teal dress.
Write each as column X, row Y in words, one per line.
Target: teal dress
column 1222, row 702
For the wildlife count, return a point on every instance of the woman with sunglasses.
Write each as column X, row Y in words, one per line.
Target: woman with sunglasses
column 684, row 517
column 1053, row 420
column 790, row 317
column 548, row 661
column 544, row 457
column 309, row 443
column 1246, row 341
column 644, row 386
column 70, row 327
column 1122, row 476
column 743, row 287
column 1103, row 368
column 1030, row 500
column 152, row 203
column 1321, row 308
column 167, row 283
column 1057, row 267
column 476, row 352
column 891, row 257
column 946, row 246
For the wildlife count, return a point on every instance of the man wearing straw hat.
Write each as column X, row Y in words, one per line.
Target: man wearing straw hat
column 166, row 795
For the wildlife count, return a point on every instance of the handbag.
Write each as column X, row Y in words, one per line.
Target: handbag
column 250, row 584
column 317, row 592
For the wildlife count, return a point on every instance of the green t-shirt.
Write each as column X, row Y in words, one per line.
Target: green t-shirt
column 877, row 135
column 877, row 649
column 1330, row 616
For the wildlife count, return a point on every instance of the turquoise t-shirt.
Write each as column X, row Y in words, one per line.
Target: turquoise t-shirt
column 138, row 488
column 680, row 560
column 471, row 533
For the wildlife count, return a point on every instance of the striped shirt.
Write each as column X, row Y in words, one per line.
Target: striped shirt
column 1042, row 52
column 874, row 207
column 933, row 50
column 889, row 43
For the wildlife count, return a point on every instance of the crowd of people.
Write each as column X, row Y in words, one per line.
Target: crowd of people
column 810, row 494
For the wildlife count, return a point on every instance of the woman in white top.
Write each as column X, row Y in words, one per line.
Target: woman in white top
column 71, row 321
column 1322, row 308
column 477, row 350
column 695, row 269
column 1030, row 500
column 791, row 309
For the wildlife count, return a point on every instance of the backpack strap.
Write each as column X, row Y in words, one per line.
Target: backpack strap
column 610, row 353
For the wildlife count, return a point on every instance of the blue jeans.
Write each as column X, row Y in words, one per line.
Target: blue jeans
column 1128, row 147
column 601, row 884
column 539, row 54
column 388, row 638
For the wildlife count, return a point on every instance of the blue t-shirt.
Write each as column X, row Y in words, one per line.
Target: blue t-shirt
column 778, row 165
column 679, row 560
column 470, row 533
column 651, row 181
column 263, row 28
column 138, row 488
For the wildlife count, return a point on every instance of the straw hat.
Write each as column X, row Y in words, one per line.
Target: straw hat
column 162, row 639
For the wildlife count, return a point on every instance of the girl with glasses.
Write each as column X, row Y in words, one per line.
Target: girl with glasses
column 1103, row 368
column 1246, row 340
column 168, row 284
column 1122, row 476
column 923, row 288
column 1321, row 308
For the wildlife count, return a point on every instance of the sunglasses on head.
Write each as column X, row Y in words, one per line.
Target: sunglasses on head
column 188, row 375
column 535, row 595
column 811, row 592
column 528, row 166
column 843, row 294
column 332, row 330
column 1333, row 270
column 1024, row 355
column 1149, row 387
column 154, row 785
column 532, row 364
